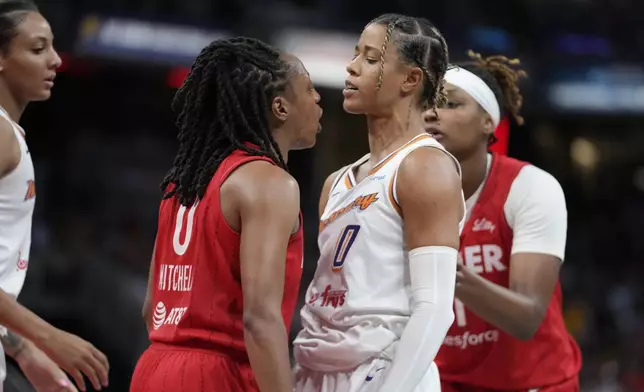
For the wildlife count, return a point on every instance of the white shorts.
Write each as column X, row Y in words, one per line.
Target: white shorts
column 367, row 377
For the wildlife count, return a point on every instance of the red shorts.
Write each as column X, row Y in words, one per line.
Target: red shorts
column 167, row 369
column 570, row 385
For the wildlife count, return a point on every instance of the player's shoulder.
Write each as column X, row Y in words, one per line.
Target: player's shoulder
column 427, row 175
column 535, row 188
column 334, row 177
column 260, row 180
column 533, row 178
column 428, row 163
column 6, row 132
column 8, row 145
column 426, row 140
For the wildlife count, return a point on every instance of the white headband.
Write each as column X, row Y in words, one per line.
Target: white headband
column 477, row 89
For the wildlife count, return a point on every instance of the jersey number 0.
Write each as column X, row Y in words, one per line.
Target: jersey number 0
column 181, row 247
column 345, row 242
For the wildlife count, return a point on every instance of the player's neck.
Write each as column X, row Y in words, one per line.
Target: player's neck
column 10, row 104
column 283, row 144
column 386, row 134
column 474, row 170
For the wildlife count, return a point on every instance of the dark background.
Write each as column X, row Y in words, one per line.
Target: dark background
column 102, row 145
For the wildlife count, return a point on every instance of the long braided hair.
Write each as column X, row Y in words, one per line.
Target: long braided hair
column 223, row 104
column 419, row 43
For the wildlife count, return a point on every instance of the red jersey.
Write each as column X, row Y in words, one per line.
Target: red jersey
column 477, row 353
column 197, row 298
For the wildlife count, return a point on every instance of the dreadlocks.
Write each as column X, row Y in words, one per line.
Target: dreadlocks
column 223, row 104
column 502, row 77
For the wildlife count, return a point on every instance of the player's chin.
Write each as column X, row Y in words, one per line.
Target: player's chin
column 41, row 95
column 353, row 106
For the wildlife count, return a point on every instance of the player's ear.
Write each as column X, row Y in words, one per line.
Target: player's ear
column 488, row 124
column 279, row 108
column 413, row 78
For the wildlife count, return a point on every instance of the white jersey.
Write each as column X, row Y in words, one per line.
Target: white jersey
column 17, row 200
column 359, row 301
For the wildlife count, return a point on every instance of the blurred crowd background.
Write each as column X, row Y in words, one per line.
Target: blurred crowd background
column 102, row 145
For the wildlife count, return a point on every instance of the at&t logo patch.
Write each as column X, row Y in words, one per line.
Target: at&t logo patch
column 159, row 315
column 162, row 317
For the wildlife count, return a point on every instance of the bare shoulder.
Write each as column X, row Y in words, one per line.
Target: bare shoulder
column 261, row 183
column 326, row 188
column 330, row 180
column 328, row 183
column 430, row 197
column 9, row 151
column 428, row 171
column 7, row 134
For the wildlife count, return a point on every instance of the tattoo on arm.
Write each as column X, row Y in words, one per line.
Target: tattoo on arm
column 12, row 343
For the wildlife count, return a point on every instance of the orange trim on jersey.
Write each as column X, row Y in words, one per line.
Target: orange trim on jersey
column 392, row 199
column 390, row 157
column 347, row 180
column 31, row 190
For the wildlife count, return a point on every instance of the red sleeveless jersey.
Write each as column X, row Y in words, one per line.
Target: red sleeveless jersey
column 197, row 298
column 477, row 353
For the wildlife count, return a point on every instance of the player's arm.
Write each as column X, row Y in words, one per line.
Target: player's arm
column 428, row 191
column 8, row 159
column 13, row 344
column 269, row 206
column 71, row 353
column 538, row 215
column 145, row 312
column 39, row 369
column 22, row 321
column 326, row 189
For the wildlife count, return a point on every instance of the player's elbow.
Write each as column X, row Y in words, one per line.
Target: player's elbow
column 530, row 325
column 446, row 318
column 525, row 332
column 439, row 315
column 262, row 320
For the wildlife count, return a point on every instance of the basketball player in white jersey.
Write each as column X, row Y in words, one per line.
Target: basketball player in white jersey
column 28, row 65
column 380, row 303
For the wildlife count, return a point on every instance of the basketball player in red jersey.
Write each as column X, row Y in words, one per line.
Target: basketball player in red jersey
column 28, row 63
column 509, row 333
column 227, row 263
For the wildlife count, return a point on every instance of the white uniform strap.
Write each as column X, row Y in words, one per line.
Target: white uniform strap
column 20, row 133
column 394, row 193
column 341, row 173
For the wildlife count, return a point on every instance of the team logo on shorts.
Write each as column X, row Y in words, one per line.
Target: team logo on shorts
column 159, row 315
column 329, row 297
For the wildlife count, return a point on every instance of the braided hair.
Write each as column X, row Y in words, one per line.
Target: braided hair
column 12, row 13
column 223, row 104
column 419, row 43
